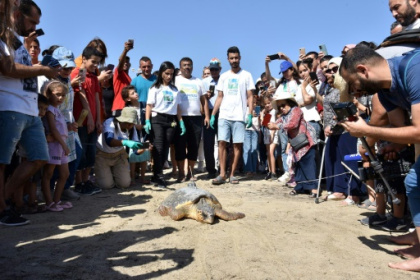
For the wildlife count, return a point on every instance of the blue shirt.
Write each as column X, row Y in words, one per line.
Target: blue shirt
column 397, row 96
column 142, row 86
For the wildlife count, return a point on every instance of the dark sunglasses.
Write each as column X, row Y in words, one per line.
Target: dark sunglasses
column 282, row 105
column 332, row 70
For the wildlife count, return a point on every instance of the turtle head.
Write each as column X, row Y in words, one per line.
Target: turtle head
column 205, row 213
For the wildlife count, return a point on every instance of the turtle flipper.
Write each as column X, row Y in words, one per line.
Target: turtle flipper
column 228, row 216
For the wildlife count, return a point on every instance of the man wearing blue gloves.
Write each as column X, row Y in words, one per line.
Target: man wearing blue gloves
column 235, row 102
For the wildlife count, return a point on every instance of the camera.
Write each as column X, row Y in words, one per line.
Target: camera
column 344, row 111
column 391, row 170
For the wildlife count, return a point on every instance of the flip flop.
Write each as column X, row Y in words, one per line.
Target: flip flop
column 233, row 180
column 218, row 180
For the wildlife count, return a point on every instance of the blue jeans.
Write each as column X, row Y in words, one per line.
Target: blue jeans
column 250, row 153
column 413, row 192
column 283, row 144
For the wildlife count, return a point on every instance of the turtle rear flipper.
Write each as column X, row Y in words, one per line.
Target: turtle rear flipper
column 228, row 216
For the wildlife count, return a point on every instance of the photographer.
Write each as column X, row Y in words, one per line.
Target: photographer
column 367, row 72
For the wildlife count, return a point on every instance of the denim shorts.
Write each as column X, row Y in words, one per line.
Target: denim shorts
column 27, row 130
column 413, row 192
column 228, row 129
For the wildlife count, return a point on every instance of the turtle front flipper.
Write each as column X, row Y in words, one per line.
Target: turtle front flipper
column 228, row 216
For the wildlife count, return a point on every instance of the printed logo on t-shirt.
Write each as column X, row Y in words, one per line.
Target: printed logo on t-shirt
column 168, row 98
column 22, row 56
column 189, row 92
column 233, row 86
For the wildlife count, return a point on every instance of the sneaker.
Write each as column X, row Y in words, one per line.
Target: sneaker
column 374, row 220
column 166, row 165
column 54, row 207
column 65, row 204
column 94, row 188
column 273, row 177
column 395, row 224
column 68, row 194
column 285, row 178
column 160, row 183
column 268, row 176
column 8, row 218
column 78, row 187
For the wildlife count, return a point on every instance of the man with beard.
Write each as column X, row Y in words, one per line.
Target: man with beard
column 19, row 113
column 404, row 11
column 367, row 72
column 235, row 94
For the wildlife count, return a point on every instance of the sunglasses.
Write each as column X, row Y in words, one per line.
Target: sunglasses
column 282, row 105
column 332, row 70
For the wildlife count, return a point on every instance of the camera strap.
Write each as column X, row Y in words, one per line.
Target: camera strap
column 405, row 62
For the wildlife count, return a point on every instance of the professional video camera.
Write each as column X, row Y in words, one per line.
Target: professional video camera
column 391, row 169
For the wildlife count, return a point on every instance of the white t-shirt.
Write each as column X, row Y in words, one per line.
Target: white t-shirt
column 19, row 95
column 234, row 87
column 165, row 100
column 190, row 91
column 310, row 112
column 118, row 135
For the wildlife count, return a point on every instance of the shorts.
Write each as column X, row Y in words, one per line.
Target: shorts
column 28, row 130
column 57, row 155
column 268, row 139
column 228, row 129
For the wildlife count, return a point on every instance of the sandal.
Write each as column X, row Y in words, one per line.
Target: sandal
column 293, row 193
column 65, row 204
column 191, row 177
column 348, row 202
column 368, row 205
column 218, row 180
column 233, row 180
column 53, row 207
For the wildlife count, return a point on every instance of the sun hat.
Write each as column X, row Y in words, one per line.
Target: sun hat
column 128, row 115
column 65, row 57
column 285, row 65
column 282, row 96
column 215, row 64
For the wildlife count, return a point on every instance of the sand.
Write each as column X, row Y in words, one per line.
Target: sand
column 118, row 234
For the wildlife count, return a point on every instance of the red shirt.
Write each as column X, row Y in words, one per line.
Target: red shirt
column 121, row 80
column 91, row 87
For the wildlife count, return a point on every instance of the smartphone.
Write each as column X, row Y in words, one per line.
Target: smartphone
column 131, row 41
column 82, row 74
column 302, row 51
column 257, row 110
column 313, row 76
column 110, row 67
column 274, row 56
column 211, row 89
column 146, row 145
column 266, row 119
column 39, row 32
column 323, row 49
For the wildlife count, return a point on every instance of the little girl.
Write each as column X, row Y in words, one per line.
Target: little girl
column 57, row 133
column 270, row 137
column 131, row 98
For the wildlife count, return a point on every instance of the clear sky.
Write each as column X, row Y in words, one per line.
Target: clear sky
column 170, row 30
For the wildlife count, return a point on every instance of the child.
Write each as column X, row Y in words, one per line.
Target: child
column 131, row 98
column 57, row 133
column 86, row 96
column 270, row 137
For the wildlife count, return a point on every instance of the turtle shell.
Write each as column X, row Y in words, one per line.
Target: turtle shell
column 187, row 196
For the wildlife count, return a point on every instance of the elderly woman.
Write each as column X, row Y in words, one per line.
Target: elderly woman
column 292, row 121
column 111, row 163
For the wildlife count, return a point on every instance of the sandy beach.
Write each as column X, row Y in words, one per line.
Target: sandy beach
column 118, row 234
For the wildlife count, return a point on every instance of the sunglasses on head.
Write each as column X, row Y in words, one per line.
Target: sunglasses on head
column 332, row 70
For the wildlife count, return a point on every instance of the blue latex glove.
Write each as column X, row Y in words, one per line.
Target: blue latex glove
column 132, row 144
column 148, row 126
column 212, row 120
column 249, row 121
column 183, row 129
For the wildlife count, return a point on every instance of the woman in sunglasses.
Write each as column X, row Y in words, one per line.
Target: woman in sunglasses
column 294, row 124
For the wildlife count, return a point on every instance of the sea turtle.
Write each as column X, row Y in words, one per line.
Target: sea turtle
column 194, row 203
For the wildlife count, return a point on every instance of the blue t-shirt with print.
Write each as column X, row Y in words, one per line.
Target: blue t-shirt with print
column 397, row 95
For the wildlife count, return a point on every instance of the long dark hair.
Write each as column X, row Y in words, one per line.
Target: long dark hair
column 163, row 67
column 295, row 76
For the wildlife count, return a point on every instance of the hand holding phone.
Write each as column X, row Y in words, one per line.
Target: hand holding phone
column 266, row 120
column 82, row 74
column 323, row 49
column 39, row 32
column 257, row 110
column 110, row 67
column 302, row 51
column 211, row 89
column 314, row 76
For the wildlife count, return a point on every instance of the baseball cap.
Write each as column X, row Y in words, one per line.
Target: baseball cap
column 285, row 65
column 215, row 63
column 64, row 56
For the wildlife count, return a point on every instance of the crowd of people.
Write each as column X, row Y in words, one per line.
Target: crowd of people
column 78, row 126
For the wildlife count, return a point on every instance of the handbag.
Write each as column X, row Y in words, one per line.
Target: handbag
column 300, row 141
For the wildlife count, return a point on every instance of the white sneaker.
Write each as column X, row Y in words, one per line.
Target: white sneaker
column 68, row 194
column 284, row 178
